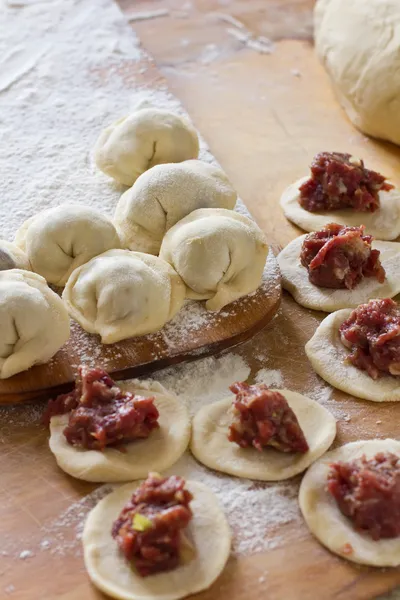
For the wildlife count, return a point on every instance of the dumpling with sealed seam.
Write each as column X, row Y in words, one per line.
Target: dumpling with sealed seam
column 34, row 322
column 220, row 255
column 12, row 257
column 60, row 239
column 163, row 195
column 149, row 136
column 121, row 294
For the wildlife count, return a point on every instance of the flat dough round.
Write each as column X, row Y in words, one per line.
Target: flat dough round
column 156, row 453
column 210, row 444
column 328, row 356
column 295, row 280
column 111, row 573
column 384, row 224
column 329, row 525
column 12, row 257
column 122, row 294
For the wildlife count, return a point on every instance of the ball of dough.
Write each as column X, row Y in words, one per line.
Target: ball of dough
column 12, row 257
column 165, row 194
column 60, row 239
column 147, row 137
column 34, row 322
column 220, row 255
column 121, row 294
column 358, row 43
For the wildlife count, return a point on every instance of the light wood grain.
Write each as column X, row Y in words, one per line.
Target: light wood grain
column 263, row 124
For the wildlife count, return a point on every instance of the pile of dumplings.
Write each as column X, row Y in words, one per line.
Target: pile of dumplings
column 174, row 236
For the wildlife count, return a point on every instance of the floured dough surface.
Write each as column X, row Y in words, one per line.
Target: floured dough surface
column 34, row 322
column 295, row 280
column 158, row 452
column 163, row 195
column 384, row 224
column 110, row 572
column 12, row 257
column 328, row 356
column 121, row 294
column 219, row 253
column 60, row 239
column 211, row 446
column 149, row 136
column 329, row 525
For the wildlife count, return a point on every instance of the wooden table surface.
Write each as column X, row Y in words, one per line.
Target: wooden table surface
column 264, row 116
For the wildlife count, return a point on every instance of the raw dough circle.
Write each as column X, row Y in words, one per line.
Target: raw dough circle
column 210, row 444
column 329, row 525
column 34, row 322
column 220, row 255
column 112, row 574
column 156, row 453
column 12, row 257
column 328, row 356
column 384, row 224
column 165, row 194
column 121, row 294
column 60, row 239
column 147, row 137
column 295, row 280
column 358, row 43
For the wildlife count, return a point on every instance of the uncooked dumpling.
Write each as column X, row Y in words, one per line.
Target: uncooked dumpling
column 121, row 294
column 34, row 322
column 147, row 137
column 220, row 255
column 358, row 43
column 60, row 239
column 165, row 194
column 12, row 257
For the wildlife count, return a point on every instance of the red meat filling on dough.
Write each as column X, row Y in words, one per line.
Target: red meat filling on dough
column 149, row 529
column 368, row 493
column 339, row 181
column 101, row 414
column 262, row 418
column 372, row 332
column 340, row 257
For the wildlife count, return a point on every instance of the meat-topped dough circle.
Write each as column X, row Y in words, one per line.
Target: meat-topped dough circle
column 220, row 255
column 60, row 239
column 295, row 277
column 147, row 137
column 157, row 452
column 165, row 194
column 34, row 322
column 121, row 294
column 208, row 533
column 368, row 489
column 340, row 189
column 211, row 446
column 12, row 257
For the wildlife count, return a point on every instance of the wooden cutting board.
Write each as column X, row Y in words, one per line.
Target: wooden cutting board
column 263, row 124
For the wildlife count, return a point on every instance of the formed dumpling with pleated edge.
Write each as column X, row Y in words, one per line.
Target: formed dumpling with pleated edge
column 60, row 239
column 12, row 257
column 34, row 322
column 164, row 195
column 121, row 294
column 220, row 255
column 149, row 136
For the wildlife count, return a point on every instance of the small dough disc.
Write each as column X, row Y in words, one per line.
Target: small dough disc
column 329, row 525
column 295, row 280
column 211, row 446
column 12, row 257
column 328, row 356
column 156, row 453
column 384, row 224
column 111, row 573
